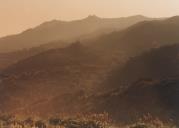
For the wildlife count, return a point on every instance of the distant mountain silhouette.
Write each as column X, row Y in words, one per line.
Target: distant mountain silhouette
column 140, row 37
column 66, row 31
column 108, row 44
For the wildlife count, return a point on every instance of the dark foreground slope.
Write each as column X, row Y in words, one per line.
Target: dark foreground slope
column 159, row 98
column 52, row 79
column 161, row 63
column 49, row 83
column 150, row 84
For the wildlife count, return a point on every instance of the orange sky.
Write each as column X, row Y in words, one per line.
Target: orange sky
column 18, row 15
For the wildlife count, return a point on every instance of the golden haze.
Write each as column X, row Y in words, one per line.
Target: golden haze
column 18, row 15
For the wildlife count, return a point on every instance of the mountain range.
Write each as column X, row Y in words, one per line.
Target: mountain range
column 65, row 31
column 127, row 73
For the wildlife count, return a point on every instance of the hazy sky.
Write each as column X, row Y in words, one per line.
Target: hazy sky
column 18, row 15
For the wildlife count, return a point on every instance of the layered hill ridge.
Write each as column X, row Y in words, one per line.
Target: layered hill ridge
column 7, row 59
column 141, row 37
column 62, row 30
column 161, row 63
column 120, row 43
